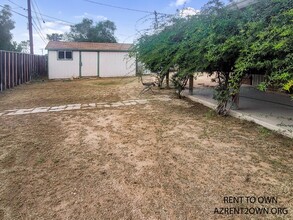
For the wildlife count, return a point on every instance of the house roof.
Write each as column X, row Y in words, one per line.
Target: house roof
column 60, row 45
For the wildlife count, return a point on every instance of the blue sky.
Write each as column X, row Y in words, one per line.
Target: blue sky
column 73, row 11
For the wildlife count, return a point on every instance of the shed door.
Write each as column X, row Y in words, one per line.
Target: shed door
column 89, row 63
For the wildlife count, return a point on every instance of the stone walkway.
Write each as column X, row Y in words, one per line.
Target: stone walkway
column 71, row 107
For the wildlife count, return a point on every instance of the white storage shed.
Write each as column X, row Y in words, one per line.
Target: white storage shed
column 87, row 59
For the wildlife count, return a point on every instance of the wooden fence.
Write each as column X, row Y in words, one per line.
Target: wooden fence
column 19, row 68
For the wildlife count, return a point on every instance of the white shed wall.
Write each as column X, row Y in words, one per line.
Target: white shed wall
column 62, row 69
column 114, row 64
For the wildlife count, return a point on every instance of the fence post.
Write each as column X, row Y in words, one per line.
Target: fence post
column 5, row 70
column 1, row 71
column 12, row 69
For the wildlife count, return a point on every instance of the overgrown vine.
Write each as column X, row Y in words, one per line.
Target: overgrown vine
column 227, row 43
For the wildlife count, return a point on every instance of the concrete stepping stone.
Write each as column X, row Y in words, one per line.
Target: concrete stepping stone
column 40, row 109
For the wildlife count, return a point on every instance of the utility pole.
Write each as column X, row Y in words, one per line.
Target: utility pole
column 30, row 26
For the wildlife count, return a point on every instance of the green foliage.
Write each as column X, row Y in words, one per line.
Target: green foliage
column 289, row 86
column 157, row 51
column 180, row 80
column 87, row 31
column 262, row 86
column 264, row 131
column 6, row 25
column 225, row 42
column 55, row 37
column 210, row 114
column 268, row 44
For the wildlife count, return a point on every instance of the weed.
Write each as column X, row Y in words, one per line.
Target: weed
column 55, row 160
column 205, row 134
column 40, row 160
column 210, row 114
column 248, row 178
column 277, row 164
column 264, row 131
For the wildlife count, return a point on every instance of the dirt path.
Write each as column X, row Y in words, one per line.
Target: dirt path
column 160, row 160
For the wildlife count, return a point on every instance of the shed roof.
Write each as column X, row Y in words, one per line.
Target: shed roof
column 61, row 45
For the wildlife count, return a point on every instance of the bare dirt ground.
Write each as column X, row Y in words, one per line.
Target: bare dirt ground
column 162, row 160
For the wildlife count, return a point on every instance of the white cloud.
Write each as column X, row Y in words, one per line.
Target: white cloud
column 186, row 12
column 179, row 3
column 91, row 16
column 101, row 17
column 51, row 27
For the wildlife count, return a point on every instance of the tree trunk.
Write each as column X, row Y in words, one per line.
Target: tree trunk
column 222, row 90
column 167, row 80
column 191, row 78
column 235, row 102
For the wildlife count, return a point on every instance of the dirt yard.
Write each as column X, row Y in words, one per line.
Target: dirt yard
column 160, row 160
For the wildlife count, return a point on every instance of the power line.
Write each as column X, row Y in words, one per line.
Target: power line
column 58, row 19
column 38, row 19
column 42, row 19
column 14, row 3
column 118, row 7
column 158, row 15
column 38, row 10
column 123, row 8
column 40, row 34
column 34, row 26
column 27, row 16
column 48, row 16
column 39, row 31
column 15, row 12
column 93, row 2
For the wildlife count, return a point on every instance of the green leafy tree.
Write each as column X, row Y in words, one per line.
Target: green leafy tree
column 6, row 25
column 157, row 51
column 223, row 46
column 55, row 37
column 227, row 43
column 16, row 47
column 212, row 45
column 269, row 45
column 88, row 31
column 24, row 46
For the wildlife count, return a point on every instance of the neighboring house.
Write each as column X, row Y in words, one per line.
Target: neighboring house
column 87, row 59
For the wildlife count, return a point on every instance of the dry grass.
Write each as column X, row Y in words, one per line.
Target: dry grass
column 47, row 93
column 163, row 160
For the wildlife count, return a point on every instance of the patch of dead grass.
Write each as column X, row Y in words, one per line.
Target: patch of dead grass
column 163, row 160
